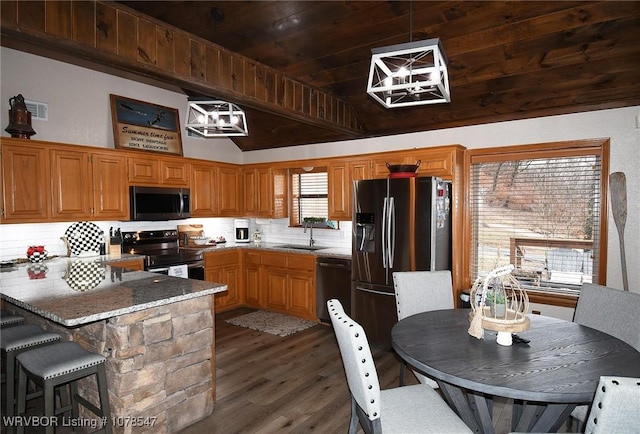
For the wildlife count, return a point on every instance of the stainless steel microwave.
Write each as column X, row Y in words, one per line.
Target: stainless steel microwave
column 159, row 203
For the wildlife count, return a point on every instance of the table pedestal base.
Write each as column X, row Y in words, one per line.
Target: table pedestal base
column 476, row 411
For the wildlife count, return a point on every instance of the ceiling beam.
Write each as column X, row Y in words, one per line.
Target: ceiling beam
column 118, row 37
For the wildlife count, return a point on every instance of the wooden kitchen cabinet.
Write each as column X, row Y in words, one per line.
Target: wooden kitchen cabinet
column 276, row 289
column 265, row 192
column 110, row 193
column 144, row 170
column 433, row 162
column 102, row 192
column 252, row 278
column 229, row 190
column 204, row 191
column 339, row 191
column 287, row 283
column 341, row 175
column 154, row 170
column 224, row 267
column 26, row 181
column 174, row 172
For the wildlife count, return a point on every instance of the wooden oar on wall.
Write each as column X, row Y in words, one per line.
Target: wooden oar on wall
column 618, row 188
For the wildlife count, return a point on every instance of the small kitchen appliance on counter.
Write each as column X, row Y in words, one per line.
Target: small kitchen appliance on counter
column 241, row 230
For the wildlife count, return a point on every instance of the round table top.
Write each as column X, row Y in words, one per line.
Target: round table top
column 562, row 363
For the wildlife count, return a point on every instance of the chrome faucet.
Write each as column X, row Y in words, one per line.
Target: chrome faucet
column 310, row 226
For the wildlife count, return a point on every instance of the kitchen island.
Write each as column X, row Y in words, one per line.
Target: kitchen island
column 156, row 331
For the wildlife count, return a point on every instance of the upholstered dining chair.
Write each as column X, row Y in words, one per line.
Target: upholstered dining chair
column 410, row 409
column 615, row 407
column 421, row 291
column 608, row 310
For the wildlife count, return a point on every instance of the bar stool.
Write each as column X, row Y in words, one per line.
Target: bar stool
column 58, row 365
column 14, row 341
column 7, row 319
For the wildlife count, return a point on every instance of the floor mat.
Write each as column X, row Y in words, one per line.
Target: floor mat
column 271, row 322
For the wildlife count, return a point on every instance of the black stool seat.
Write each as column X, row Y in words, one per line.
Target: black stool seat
column 25, row 336
column 16, row 340
column 7, row 319
column 56, row 360
column 57, row 365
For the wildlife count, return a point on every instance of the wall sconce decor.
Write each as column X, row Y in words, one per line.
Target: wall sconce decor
column 216, row 119
column 19, row 119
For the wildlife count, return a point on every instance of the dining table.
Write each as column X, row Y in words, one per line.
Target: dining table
column 545, row 378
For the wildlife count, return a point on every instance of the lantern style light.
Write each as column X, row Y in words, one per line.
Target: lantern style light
column 216, row 119
column 409, row 74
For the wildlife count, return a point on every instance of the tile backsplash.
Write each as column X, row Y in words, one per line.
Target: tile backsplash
column 16, row 238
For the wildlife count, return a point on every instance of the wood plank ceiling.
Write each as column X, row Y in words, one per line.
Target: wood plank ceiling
column 507, row 60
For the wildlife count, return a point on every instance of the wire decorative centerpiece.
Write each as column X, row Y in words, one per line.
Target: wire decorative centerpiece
column 499, row 304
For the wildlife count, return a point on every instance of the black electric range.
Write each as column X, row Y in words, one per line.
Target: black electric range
column 162, row 251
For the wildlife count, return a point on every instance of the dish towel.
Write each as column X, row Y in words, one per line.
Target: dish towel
column 179, row 271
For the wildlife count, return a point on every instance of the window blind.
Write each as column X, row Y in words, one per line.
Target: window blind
column 309, row 196
column 540, row 214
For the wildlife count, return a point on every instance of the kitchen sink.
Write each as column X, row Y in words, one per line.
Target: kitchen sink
column 300, row 247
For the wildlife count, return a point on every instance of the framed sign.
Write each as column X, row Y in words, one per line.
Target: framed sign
column 143, row 126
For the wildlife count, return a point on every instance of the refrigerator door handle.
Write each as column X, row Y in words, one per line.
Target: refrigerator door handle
column 392, row 231
column 385, row 211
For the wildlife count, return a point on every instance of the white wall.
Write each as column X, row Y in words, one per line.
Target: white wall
column 79, row 106
column 79, row 113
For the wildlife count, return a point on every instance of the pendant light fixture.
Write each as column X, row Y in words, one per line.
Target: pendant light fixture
column 414, row 73
column 216, row 119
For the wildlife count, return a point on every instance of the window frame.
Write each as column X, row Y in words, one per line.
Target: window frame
column 599, row 147
column 293, row 220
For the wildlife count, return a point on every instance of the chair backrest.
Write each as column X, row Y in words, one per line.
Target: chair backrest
column 357, row 360
column 615, row 407
column 609, row 310
column 422, row 291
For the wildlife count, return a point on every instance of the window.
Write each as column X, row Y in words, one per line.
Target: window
column 539, row 208
column 309, row 196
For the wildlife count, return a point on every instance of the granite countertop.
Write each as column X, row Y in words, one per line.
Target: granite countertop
column 338, row 252
column 74, row 291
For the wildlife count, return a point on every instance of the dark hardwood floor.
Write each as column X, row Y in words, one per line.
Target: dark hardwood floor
column 295, row 384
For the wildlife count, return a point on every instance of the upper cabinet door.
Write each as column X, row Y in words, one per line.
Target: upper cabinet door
column 265, row 192
column 229, row 191
column 71, row 184
column 204, row 192
column 26, row 183
column 110, row 192
column 88, row 185
column 174, row 172
column 339, row 193
column 144, row 170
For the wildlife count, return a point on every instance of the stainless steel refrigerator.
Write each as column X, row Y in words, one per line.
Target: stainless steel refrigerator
column 400, row 224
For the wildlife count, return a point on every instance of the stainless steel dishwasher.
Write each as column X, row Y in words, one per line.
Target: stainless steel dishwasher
column 333, row 280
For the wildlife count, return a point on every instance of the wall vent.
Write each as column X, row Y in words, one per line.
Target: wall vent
column 38, row 110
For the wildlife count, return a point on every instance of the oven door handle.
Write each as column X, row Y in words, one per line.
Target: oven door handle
column 162, row 270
